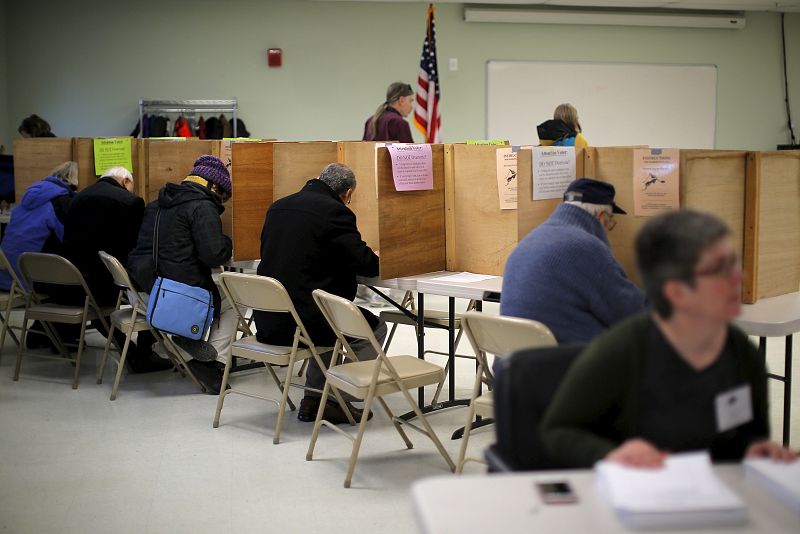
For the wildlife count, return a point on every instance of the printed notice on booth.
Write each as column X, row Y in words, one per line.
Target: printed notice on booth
column 553, row 170
column 656, row 181
column 112, row 152
column 507, row 178
column 412, row 167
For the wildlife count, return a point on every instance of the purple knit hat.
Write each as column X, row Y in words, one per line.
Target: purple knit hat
column 213, row 169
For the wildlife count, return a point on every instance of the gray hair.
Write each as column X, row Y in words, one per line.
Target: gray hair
column 338, row 177
column 67, row 172
column 669, row 246
column 593, row 209
column 120, row 174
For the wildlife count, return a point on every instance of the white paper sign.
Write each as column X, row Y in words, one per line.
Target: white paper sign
column 553, row 170
column 507, row 178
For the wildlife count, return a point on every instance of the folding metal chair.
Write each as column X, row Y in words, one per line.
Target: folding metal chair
column 501, row 336
column 433, row 319
column 268, row 295
column 36, row 267
column 370, row 380
column 9, row 300
column 132, row 319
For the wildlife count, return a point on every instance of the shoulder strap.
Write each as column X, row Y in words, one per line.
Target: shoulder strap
column 155, row 242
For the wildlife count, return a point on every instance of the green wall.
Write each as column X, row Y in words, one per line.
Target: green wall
column 88, row 62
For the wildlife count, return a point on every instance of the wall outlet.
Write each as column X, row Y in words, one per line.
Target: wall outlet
column 453, row 63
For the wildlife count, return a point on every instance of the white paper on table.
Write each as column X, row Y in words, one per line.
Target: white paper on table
column 686, row 483
column 782, row 480
column 463, row 278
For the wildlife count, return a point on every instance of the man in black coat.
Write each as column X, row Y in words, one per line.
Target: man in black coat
column 106, row 216
column 310, row 241
column 190, row 244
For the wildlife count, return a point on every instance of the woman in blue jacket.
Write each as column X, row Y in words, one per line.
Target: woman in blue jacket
column 37, row 224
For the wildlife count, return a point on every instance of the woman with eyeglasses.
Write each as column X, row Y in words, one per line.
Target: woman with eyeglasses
column 388, row 123
column 677, row 378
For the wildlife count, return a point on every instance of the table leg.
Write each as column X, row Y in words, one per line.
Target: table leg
column 451, row 331
column 421, row 339
column 787, row 390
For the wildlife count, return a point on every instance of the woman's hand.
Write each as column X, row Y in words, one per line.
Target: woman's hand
column 637, row 453
column 770, row 449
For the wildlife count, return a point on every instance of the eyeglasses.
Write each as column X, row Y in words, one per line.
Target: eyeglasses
column 723, row 267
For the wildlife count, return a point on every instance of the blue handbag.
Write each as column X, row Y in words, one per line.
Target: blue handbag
column 175, row 307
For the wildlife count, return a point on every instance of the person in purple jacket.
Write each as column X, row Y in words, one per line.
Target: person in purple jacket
column 37, row 224
column 388, row 124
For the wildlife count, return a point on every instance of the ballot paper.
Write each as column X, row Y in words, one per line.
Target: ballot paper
column 685, row 493
column 463, row 278
column 781, row 480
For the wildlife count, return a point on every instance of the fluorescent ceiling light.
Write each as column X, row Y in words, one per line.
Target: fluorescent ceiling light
column 680, row 19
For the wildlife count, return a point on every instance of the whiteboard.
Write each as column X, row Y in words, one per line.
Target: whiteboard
column 619, row 104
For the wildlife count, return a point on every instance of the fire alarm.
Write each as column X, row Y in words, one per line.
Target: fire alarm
column 274, row 57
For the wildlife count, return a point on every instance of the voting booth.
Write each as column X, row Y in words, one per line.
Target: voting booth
column 263, row 173
column 772, row 236
column 407, row 227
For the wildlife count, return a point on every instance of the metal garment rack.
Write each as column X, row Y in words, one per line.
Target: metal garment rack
column 190, row 107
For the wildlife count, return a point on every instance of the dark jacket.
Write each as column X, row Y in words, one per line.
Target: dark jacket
column 598, row 405
column 104, row 216
column 391, row 127
column 190, row 238
column 555, row 130
column 37, row 224
column 310, row 241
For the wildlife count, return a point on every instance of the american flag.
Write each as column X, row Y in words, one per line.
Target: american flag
column 427, row 118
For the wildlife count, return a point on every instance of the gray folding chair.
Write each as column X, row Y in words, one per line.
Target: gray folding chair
column 9, row 300
column 250, row 291
column 501, row 336
column 132, row 319
column 36, row 267
column 370, row 380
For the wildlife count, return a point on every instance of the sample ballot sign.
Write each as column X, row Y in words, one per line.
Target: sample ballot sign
column 553, row 170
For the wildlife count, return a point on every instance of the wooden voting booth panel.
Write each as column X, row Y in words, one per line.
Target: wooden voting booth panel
column 361, row 156
column 411, row 224
column 480, row 235
column 252, row 196
column 293, row 164
column 615, row 166
column 263, row 173
column 715, row 181
column 531, row 213
column 772, row 249
column 171, row 161
column 35, row 158
column 712, row 181
column 83, row 154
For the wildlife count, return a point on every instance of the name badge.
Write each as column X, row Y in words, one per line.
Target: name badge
column 734, row 408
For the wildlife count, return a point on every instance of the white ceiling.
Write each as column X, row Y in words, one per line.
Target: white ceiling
column 722, row 5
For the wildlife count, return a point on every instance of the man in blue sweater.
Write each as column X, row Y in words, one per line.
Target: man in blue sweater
column 563, row 275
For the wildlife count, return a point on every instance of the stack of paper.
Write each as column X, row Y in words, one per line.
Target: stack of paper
column 781, row 480
column 685, row 493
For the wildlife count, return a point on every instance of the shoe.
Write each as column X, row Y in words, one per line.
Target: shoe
column 333, row 412
column 209, row 374
column 199, row 349
column 150, row 363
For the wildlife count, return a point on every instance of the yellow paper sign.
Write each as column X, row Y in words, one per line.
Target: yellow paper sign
column 486, row 142
column 112, row 152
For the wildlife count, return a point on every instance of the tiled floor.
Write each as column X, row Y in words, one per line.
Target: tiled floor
column 72, row 461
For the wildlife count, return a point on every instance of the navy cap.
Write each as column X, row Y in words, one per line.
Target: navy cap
column 592, row 192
